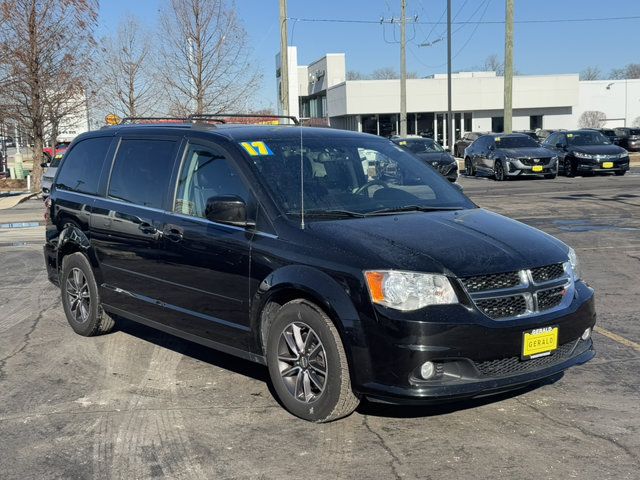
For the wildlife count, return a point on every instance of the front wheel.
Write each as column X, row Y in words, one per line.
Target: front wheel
column 498, row 171
column 550, row 176
column 569, row 168
column 620, row 173
column 308, row 365
column 468, row 168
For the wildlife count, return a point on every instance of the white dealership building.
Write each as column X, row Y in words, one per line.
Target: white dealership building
column 320, row 92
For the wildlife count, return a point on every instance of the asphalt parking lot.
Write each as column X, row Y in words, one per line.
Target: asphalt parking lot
column 140, row 404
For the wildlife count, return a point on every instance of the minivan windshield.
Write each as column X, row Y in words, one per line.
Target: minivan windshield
column 520, row 141
column 349, row 176
column 587, row 138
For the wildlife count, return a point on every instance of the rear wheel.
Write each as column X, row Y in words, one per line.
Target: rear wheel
column 307, row 363
column 80, row 298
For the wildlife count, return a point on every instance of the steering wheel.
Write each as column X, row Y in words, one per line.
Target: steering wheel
column 370, row 183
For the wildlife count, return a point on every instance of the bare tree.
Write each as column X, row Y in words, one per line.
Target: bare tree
column 629, row 71
column 44, row 45
column 125, row 83
column 493, row 64
column 592, row 119
column 205, row 60
column 355, row 75
column 385, row 73
column 590, row 73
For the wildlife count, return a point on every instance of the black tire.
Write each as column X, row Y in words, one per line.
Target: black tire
column 468, row 168
column 569, row 168
column 550, row 176
column 620, row 173
column 86, row 316
column 335, row 399
column 498, row 171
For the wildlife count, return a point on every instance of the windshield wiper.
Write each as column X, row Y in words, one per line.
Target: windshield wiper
column 411, row 208
column 329, row 213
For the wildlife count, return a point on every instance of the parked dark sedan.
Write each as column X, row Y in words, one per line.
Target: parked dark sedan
column 464, row 142
column 509, row 155
column 629, row 138
column 431, row 152
column 610, row 133
column 587, row 151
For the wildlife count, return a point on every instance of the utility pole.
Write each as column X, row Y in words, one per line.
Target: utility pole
column 284, row 58
column 449, row 113
column 403, row 69
column 508, row 68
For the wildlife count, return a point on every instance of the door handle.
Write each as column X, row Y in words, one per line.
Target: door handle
column 173, row 234
column 147, row 228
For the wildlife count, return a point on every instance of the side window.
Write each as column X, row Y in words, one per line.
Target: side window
column 81, row 167
column 206, row 173
column 142, row 171
column 552, row 140
column 562, row 139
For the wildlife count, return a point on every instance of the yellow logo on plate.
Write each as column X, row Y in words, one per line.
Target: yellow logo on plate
column 256, row 149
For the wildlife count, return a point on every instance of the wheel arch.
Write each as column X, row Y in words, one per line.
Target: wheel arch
column 73, row 240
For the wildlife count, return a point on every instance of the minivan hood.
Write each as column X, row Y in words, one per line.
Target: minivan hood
column 598, row 149
column 529, row 152
column 462, row 243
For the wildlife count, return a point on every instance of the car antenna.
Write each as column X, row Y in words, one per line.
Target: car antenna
column 301, row 183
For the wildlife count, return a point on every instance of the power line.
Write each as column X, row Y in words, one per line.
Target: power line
column 467, row 22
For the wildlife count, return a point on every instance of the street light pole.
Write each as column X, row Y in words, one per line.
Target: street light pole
column 284, row 58
column 403, row 69
column 449, row 106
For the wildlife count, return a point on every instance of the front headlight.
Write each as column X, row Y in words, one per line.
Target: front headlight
column 583, row 155
column 409, row 290
column 575, row 265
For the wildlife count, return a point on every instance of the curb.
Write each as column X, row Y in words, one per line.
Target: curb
column 11, row 202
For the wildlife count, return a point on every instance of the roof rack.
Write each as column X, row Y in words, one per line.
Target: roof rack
column 223, row 116
column 134, row 120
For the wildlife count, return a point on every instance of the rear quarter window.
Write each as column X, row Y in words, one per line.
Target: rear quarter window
column 81, row 167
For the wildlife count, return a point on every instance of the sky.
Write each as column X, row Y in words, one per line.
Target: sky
column 540, row 48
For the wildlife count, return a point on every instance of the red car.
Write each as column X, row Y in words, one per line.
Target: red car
column 60, row 148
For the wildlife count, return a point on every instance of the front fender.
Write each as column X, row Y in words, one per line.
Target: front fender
column 330, row 294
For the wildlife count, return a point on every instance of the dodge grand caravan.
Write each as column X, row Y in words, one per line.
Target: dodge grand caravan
column 285, row 246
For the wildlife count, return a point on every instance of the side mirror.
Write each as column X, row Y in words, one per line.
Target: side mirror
column 492, row 148
column 229, row 209
column 44, row 164
column 559, row 145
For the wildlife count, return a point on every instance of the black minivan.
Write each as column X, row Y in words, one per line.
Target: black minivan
column 284, row 245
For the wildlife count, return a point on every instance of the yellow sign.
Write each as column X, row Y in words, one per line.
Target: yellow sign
column 537, row 168
column 112, row 119
column 539, row 341
column 256, row 148
column 607, row 165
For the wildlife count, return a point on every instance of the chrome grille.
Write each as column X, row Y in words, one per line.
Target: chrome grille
column 550, row 272
column 491, row 282
column 508, row 295
column 503, row 306
column 530, row 162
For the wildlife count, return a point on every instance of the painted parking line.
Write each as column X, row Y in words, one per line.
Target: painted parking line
column 617, row 338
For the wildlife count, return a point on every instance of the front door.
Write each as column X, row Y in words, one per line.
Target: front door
column 207, row 263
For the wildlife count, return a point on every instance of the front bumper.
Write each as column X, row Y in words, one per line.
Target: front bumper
column 448, row 170
column 476, row 356
column 597, row 166
column 516, row 168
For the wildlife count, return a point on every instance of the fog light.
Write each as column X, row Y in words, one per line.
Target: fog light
column 586, row 334
column 427, row 370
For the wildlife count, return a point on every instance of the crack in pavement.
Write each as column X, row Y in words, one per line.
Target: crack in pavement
column 27, row 339
column 395, row 461
column 583, row 430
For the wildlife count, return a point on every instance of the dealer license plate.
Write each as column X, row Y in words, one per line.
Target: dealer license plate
column 607, row 165
column 537, row 168
column 539, row 342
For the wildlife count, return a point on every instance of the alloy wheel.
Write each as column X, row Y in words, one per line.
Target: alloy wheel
column 302, row 362
column 78, row 295
column 499, row 171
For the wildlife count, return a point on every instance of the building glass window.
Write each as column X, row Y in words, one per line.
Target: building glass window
column 535, row 122
column 497, row 124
